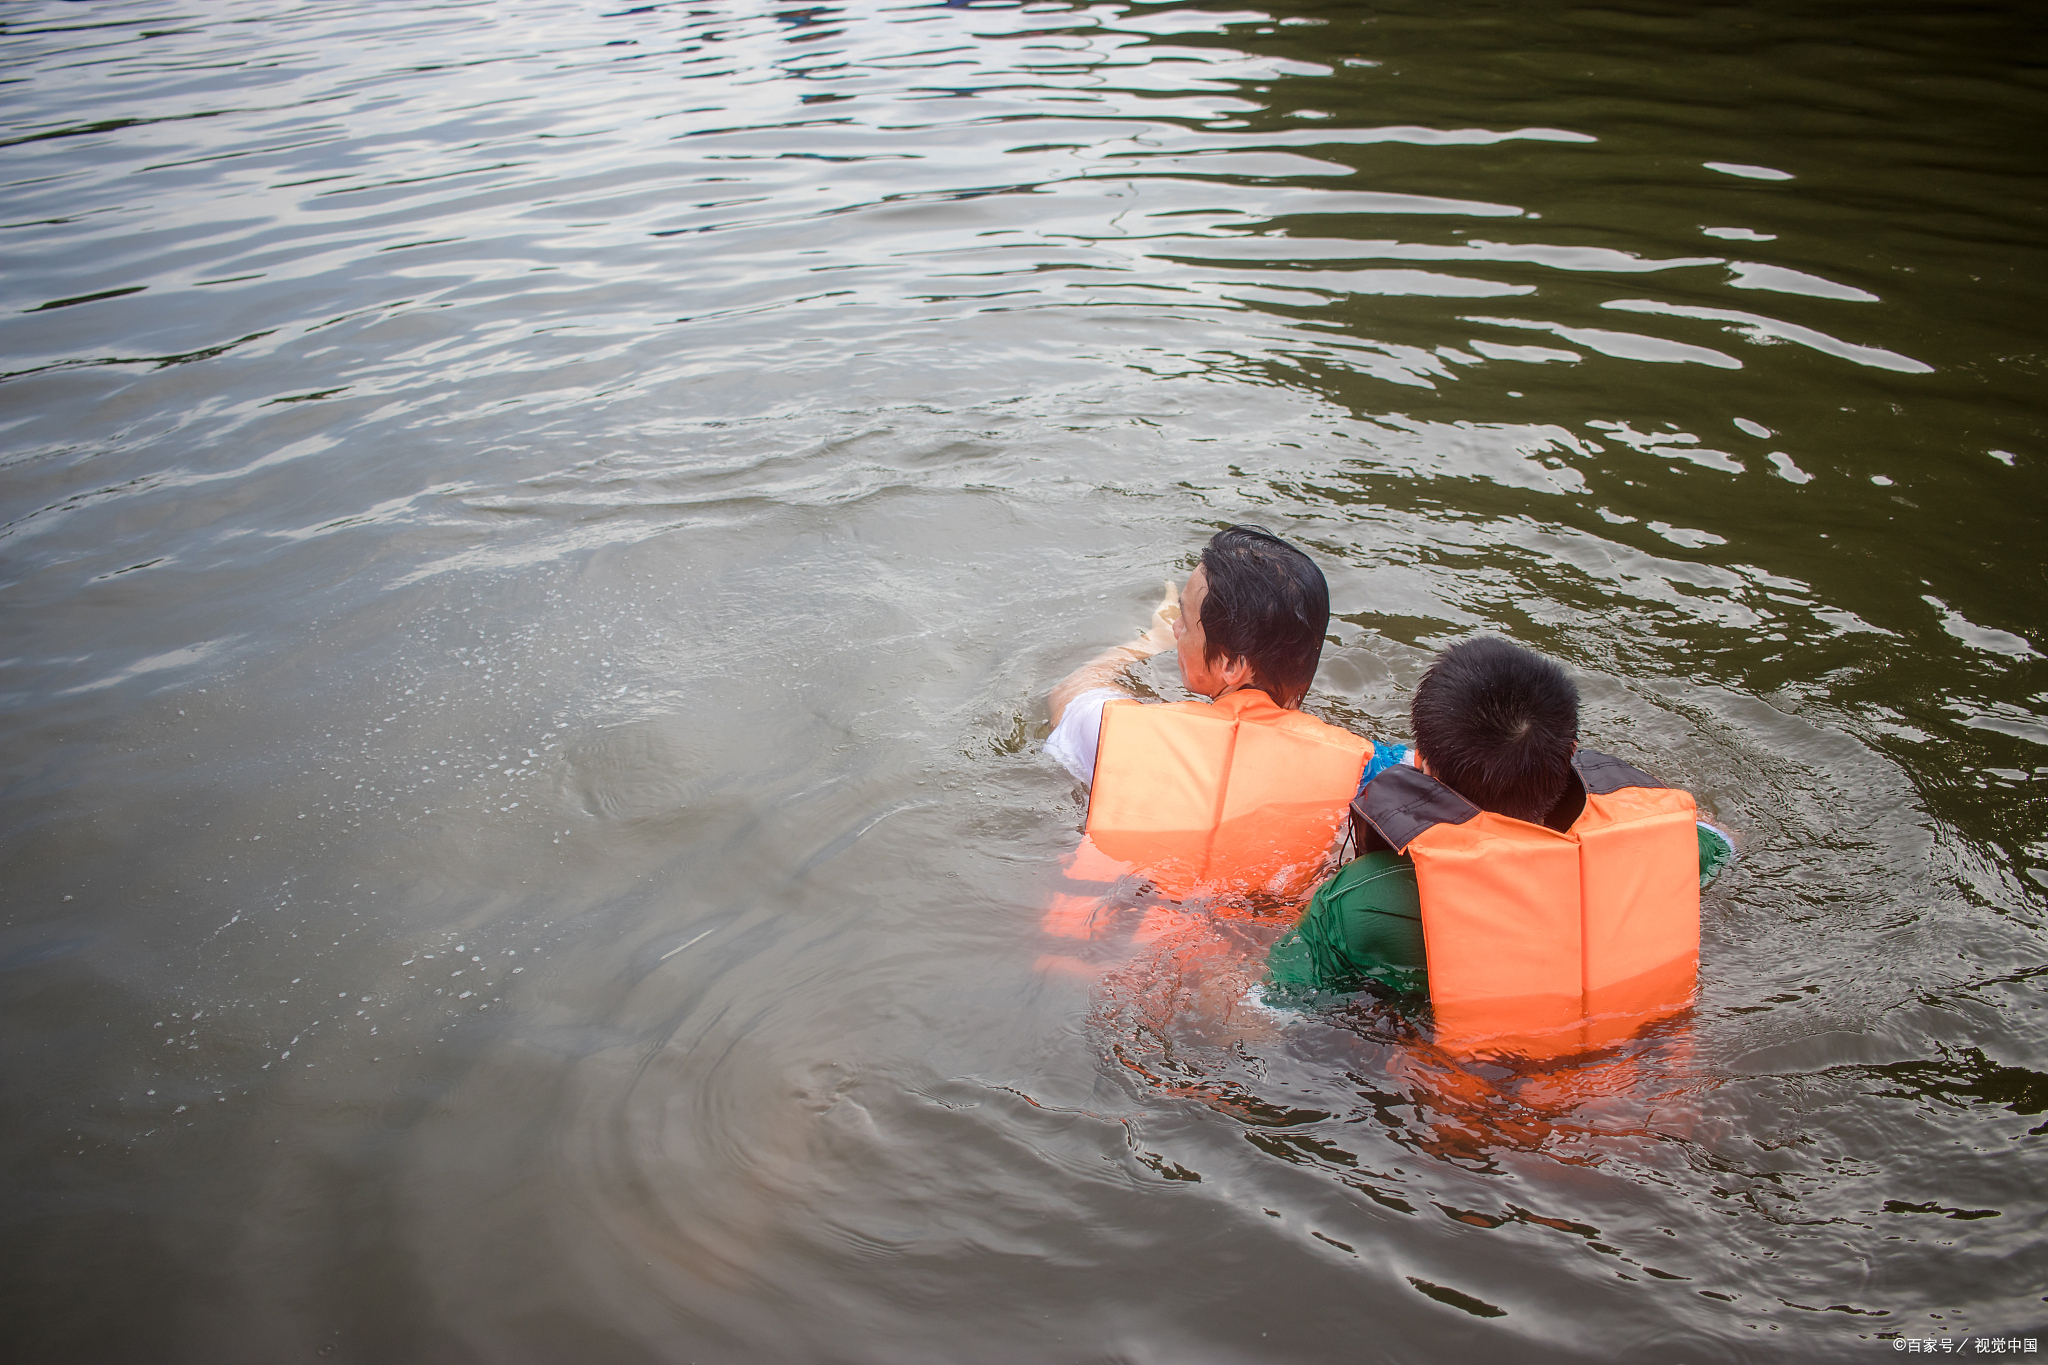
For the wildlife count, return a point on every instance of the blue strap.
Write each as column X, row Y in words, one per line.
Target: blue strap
column 1384, row 756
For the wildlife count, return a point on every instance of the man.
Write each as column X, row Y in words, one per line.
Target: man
column 1240, row 794
column 1525, row 885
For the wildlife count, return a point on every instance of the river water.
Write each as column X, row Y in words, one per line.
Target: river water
column 599, row 494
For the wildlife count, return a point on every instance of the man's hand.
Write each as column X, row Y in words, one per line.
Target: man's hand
column 1107, row 668
column 1158, row 637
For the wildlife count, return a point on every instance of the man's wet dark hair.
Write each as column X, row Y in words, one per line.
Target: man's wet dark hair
column 1497, row 724
column 1269, row 604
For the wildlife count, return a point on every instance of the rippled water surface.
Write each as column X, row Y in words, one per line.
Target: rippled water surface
column 534, row 537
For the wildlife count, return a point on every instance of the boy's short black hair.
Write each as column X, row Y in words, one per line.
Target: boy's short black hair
column 1269, row 604
column 1497, row 724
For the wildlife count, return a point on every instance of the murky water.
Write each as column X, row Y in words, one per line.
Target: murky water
column 535, row 539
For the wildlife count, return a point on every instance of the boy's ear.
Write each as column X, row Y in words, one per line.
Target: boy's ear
column 1236, row 671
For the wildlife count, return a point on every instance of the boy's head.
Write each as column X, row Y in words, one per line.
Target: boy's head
column 1265, row 603
column 1498, row 724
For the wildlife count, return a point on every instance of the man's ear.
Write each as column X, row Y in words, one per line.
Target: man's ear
column 1236, row 672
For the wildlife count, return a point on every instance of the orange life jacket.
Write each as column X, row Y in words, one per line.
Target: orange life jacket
column 1544, row 943
column 1236, row 797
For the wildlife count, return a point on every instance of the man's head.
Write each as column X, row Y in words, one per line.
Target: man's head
column 1253, row 615
column 1498, row 725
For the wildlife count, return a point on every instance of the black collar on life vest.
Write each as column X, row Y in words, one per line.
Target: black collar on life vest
column 1403, row 801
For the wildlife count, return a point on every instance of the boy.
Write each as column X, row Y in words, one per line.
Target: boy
column 1554, row 882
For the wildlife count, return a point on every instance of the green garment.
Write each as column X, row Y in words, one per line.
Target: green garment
column 1364, row 927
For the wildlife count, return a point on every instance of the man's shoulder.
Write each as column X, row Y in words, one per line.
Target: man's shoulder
column 1315, row 727
column 1256, row 708
column 1142, row 712
column 1297, row 724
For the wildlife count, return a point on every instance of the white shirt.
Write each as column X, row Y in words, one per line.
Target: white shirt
column 1079, row 734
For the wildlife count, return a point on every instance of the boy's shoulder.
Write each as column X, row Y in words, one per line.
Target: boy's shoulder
column 1717, row 850
column 1382, row 881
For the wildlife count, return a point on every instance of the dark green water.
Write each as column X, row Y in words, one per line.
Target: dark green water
column 533, row 540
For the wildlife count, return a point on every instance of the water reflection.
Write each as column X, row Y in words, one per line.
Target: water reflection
column 1188, row 1016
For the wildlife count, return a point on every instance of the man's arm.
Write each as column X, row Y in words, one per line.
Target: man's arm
column 1107, row 669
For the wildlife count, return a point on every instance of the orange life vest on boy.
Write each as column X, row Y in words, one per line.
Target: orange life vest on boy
column 1543, row 942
